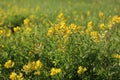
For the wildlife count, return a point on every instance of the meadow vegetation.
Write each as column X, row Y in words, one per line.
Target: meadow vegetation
column 59, row 39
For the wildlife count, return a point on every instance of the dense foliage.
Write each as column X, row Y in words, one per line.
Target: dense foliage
column 59, row 40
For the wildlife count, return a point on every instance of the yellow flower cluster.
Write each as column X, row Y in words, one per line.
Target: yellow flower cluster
column 62, row 29
column 28, row 24
column 27, row 29
column 55, row 71
column 32, row 66
column 2, row 46
column 9, row 64
column 94, row 36
column 101, row 15
column 81, row 70
column 14, row 76
column 61, row 17
column 2, row 31
column 90, row 24
column 89, row 27
column 9, row 33
column 50, row 31
column 116, row 19
column 26, row 21
column 37, row 73
column 117, row 56
column 102, row 26
column 16, row 29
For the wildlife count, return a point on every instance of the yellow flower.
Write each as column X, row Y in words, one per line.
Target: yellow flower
column 1, row 32
column 55, row 71
column 87, row 31
column 101, row 14
column 20, row 76
column 117, row 56
column 81, row 70
column 116, row 19
column 110, row 25
column 32, row 16
column 94, row 36
column 50, row 31
column 102, row 26
column 65, row 36
column 37, row 73
column 28, row 29
column 9, row 33
column 2, row 46
column 61, row 17
column 16, row 29
column 38, row 64
column 27, row 68
column 32, row 66
column 73, row 27
column 13, row 76
column 89, row 27
column 26, row 21
column 90, row 24
column 9, row 64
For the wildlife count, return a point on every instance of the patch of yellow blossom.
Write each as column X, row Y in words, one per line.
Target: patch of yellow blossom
column 102, row 26
column 50, row 31
column 37, row 73
column 9, row 64
column 16, row 29
column 101, row 15
column 28, row 29
column 81, row 70
column 89, row 27
column 38, row 65
column 117, row 56
column 26, row 21
column 90, row 24
column 113, row 23
column 14, row 76
column 110, row 25
column 9, row 33
column 1, row 32
column 61, row 17
column 103, row 35
column 2, row 46
column 62, row 29
column 29, row 67
column 74, row 28
column 116, row 19
column 94, row 36
column 55, row 71
column 32, row 66
column 32, row 16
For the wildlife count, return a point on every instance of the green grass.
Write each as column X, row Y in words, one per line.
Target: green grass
column 57, row 33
